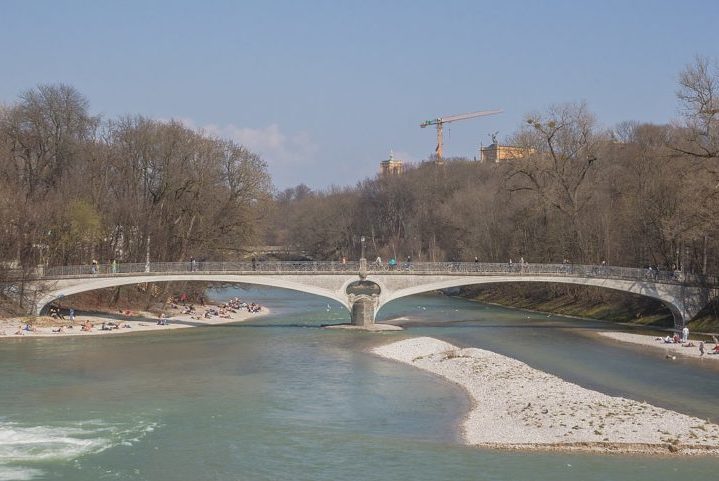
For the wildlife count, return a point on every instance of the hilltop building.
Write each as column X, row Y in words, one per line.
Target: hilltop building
column 391, row 166
column 495, row 152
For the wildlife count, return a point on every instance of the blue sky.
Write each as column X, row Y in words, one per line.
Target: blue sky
column 324, row 89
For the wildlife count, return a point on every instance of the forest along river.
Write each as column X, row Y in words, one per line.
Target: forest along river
column 278, row 398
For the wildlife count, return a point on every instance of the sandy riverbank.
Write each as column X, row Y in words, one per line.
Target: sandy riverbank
column 662, row 347
column 518, row 407
column 138, row 322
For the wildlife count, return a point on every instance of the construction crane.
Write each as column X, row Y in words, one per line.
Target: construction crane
column 440, row 121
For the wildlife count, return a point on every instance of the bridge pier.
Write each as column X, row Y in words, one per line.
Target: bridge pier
column 363, row 311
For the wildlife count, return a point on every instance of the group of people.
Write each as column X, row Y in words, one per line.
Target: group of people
column 56, row 313
column 235, row 304
column 223, row 311
column 685, row 342
column 392, row 263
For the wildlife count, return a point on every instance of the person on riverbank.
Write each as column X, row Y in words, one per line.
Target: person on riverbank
column 701, row 348
column 685, row 334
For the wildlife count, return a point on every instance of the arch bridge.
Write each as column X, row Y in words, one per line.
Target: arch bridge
column 364, row 287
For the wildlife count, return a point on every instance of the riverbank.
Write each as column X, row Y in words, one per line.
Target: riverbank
column 657, row 344
column 588, row 302
column 127, row 322
column 518, row 407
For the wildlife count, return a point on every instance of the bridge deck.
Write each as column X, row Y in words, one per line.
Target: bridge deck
column 403, row 269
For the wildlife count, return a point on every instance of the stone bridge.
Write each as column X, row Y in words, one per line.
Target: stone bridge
column 363, row 288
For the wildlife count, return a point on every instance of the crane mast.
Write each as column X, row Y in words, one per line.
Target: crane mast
column 439, row 124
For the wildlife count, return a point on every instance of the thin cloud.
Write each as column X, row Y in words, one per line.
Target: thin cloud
column 287, row 155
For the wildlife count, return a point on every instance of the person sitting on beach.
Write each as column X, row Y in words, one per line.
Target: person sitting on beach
column 87, row 326
column 714, row 340
column 716, row 349
column 59, row 330
column 676, row 339
column 668, row 340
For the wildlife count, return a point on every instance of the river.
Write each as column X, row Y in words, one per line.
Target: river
column 279, row 398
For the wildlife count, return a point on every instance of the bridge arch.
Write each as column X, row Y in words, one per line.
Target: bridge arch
column 63, row 288
column 682, row 304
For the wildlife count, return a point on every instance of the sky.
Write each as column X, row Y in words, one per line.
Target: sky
column 323, row 90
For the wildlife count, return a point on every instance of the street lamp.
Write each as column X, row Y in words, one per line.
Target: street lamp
column 362, row 239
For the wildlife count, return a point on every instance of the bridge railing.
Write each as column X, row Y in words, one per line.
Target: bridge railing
column 411, row 268
column 154, row 268
column 554, row 270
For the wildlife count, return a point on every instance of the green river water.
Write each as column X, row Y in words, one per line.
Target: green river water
column 278, row 398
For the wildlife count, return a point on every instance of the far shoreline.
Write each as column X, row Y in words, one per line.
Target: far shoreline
column 670, row 350
column 626, row 324
column 138, row 322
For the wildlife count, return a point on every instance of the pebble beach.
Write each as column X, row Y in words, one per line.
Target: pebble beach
column 518, row 407
column 138, row 321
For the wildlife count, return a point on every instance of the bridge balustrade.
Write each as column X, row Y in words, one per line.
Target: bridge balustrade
column 412, row 268
column 154, row 268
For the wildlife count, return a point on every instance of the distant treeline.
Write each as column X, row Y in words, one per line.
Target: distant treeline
column 634, row 195
column 76, row 187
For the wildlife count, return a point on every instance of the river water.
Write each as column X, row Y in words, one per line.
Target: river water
column 279, row 398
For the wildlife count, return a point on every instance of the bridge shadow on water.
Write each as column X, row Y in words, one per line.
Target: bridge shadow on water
column 473, row 324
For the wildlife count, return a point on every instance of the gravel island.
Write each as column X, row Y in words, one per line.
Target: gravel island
column 519, row 407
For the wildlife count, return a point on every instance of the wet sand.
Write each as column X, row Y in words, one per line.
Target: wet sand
column 519, row 407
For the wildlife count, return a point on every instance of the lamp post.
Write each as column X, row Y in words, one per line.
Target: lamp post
column 147, row 256
column 363, row 261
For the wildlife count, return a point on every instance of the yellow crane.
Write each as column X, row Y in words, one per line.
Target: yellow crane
column 440, row 121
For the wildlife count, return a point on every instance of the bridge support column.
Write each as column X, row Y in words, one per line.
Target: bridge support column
column 363, row 311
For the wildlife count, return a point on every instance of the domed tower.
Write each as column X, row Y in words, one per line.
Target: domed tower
column 391, row 166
